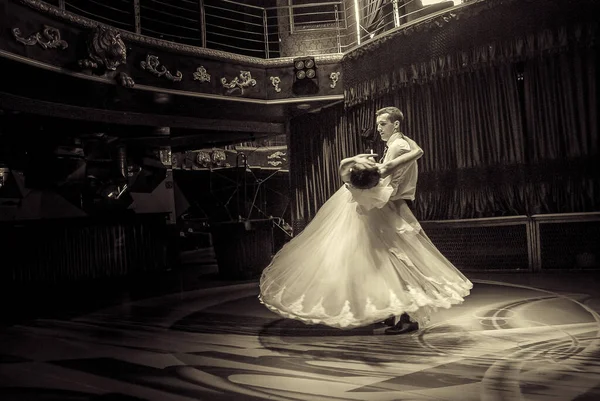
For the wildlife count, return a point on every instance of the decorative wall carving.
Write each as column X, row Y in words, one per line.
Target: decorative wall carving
column 175, row 47
column 203, row 159
column 276, row 81
column 277, row 158
column 107, row 50
column 104, row 51
column 152, row 66
column 164, row 155
column 125, row 80
column 334, row 76
column 239, row 83
column 48, row 38
column 219, row 158
column 211, row 158
column 201, row 74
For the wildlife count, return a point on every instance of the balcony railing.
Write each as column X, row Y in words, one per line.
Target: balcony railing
column 322, row 27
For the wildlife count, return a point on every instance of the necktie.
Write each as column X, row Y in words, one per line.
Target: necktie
column 384, row 153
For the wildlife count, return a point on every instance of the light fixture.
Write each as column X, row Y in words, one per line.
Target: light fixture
column 305, row 68
column 305, row 76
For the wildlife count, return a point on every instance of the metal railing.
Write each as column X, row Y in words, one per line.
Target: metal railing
column 485, row 244
column 543, row 242
column 312, row 26
column 566, row 240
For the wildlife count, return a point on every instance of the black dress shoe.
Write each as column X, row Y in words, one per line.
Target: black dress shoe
column 402, row 328
column 404, row 318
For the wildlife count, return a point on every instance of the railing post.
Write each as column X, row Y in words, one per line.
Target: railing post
column 533, row 245
column 61, row 4
column 266, row 31
column 396, row 14
column 137, row 16
column 202, row 23
column 357, row 18
column 337, row 23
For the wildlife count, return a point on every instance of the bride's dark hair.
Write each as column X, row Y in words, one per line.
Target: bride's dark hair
column 364, row 178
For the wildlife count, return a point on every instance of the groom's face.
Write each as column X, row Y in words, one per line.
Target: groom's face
column 385, row 127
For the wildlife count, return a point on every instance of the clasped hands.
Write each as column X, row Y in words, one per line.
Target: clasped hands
column 365, row 161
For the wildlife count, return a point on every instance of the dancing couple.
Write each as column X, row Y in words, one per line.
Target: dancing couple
column 364, row 258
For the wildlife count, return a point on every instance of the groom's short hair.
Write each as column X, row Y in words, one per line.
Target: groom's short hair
column 394, row 114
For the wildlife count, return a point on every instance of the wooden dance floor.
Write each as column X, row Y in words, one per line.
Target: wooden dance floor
column 517, row 337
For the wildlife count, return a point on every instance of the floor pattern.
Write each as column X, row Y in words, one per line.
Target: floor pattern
column 506, row 342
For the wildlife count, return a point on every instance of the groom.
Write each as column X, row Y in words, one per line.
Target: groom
column 389, row 120
column 400, row 161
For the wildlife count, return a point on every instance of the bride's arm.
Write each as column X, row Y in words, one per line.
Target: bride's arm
column 347, row 163
column 391, row 166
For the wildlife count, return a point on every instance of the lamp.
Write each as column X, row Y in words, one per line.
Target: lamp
column 305, row 76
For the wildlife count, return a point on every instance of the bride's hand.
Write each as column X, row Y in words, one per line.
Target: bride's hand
column 365, row 159
column 366, row 155
column 364, row 164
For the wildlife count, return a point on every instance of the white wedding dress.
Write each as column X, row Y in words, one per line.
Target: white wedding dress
column 361, row 260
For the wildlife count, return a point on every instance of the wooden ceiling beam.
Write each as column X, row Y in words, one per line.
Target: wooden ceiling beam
column 27, row 105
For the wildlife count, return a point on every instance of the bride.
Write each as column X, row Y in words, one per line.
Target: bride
column 364, row 258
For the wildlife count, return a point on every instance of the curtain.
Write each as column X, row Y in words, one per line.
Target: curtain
column 513, row 131
column 561, row 105
column 507, row 128
column 465, row 124
column 561, row 110
column 469, row 127
column 318, row 142
column 465, row 120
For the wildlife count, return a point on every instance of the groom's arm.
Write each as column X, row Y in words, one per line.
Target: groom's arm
column 401, row 160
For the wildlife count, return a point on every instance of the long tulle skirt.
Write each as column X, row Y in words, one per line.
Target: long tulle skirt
column 350, row 268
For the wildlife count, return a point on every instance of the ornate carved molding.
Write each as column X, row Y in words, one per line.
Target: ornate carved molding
column 277, row 158
column 240, row 83
column 203, row 158
column 201, row 74
column 214, row 158
column 151, row 64
column 275, row 81
column 219, row 158
column 334, row 76
column 171, row 46
column 105, row 49
column 125, row 80
column 48, row 38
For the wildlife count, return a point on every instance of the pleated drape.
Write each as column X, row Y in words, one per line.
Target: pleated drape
column 318, row 142
column 512, row 134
